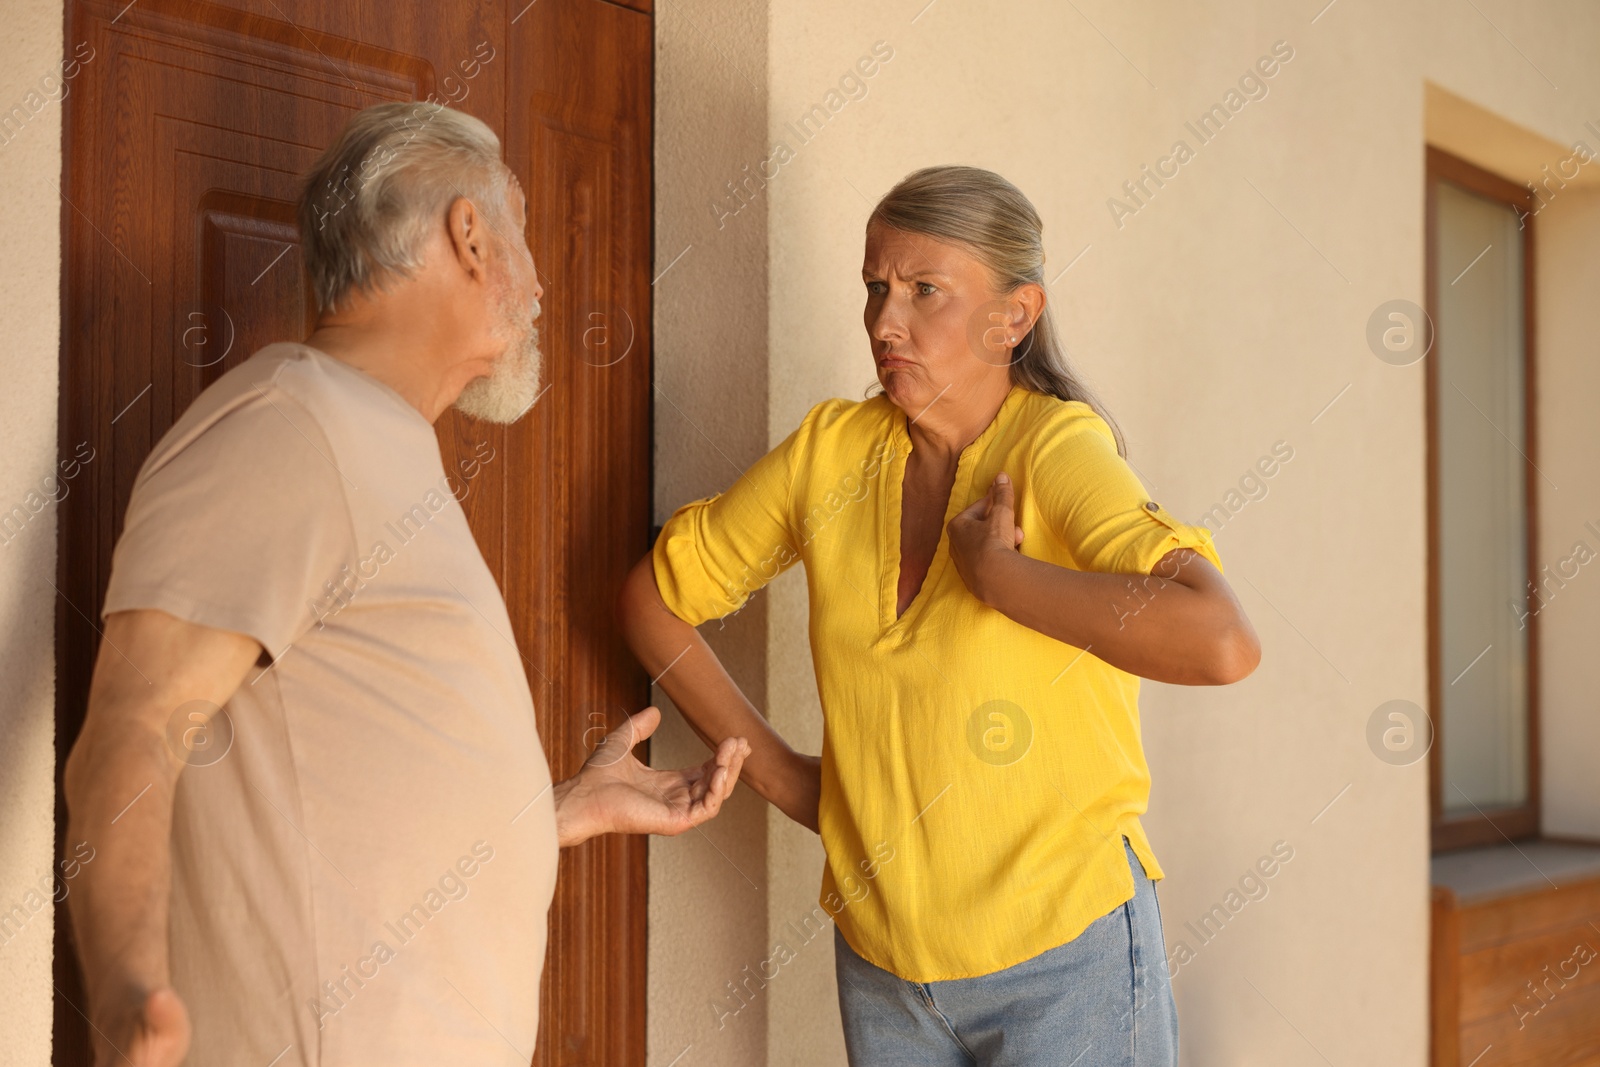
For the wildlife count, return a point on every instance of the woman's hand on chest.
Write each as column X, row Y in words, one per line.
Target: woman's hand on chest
column 983, row 532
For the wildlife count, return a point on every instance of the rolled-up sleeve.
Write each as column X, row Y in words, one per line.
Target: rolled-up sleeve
column 1097, row 505
column 714, row 552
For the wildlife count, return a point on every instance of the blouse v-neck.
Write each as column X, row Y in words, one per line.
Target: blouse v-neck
column 890, row 625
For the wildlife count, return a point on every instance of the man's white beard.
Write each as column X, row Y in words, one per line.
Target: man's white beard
column 510, row 389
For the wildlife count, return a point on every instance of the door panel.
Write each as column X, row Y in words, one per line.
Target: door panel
column 186, row 135
column 582, row 138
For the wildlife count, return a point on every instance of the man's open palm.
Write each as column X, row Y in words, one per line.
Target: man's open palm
column 616, row 793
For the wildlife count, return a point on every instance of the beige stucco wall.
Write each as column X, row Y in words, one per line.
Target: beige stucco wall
column 708, row 889
column 30, row 171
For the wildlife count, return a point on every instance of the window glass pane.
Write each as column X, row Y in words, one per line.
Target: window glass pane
column 1483, row 566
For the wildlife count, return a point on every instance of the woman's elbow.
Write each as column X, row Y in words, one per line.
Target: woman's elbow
column 1237, row 654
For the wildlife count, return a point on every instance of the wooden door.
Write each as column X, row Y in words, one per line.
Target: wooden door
column 187, row 131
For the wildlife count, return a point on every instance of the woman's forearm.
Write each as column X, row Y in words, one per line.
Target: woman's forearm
column 679, row 660
column 1180, row 624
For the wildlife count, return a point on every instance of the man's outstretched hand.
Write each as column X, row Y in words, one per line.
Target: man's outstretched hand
column 614, row 793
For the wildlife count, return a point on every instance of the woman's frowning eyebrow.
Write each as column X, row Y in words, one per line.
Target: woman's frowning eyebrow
column 914, row 276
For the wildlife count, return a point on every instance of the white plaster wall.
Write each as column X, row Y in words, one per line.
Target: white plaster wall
column 30, row 212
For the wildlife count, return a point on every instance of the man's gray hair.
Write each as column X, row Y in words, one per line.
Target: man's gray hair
column 371, row 200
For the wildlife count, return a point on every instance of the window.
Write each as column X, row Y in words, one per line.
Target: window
column 1482, row 483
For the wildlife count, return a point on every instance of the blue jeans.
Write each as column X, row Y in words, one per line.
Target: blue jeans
column 1103, row 999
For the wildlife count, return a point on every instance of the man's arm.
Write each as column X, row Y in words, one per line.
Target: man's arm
column 120, row 778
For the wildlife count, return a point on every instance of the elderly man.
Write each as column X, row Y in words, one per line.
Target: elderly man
column 363, row 877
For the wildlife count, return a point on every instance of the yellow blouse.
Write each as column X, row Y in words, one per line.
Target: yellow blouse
column 977, row 776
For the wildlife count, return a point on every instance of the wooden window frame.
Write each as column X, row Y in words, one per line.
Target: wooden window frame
column 1494, row 825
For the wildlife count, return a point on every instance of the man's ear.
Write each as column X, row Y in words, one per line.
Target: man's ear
column 469, row 234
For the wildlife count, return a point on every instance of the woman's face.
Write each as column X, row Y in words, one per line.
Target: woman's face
column 937, row 327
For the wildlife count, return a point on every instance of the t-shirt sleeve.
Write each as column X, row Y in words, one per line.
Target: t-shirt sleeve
column 1097, row 505
column 714, row 552
column 239, row 528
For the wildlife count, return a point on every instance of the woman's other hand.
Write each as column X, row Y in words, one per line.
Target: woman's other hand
column 981, row 532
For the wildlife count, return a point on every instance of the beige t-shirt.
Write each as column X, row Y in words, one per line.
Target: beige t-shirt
column 364, row 876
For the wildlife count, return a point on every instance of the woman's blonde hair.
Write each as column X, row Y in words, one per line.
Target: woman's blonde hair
column 981, row 211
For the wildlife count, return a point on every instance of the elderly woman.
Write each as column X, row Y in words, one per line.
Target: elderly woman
column 988, row 582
